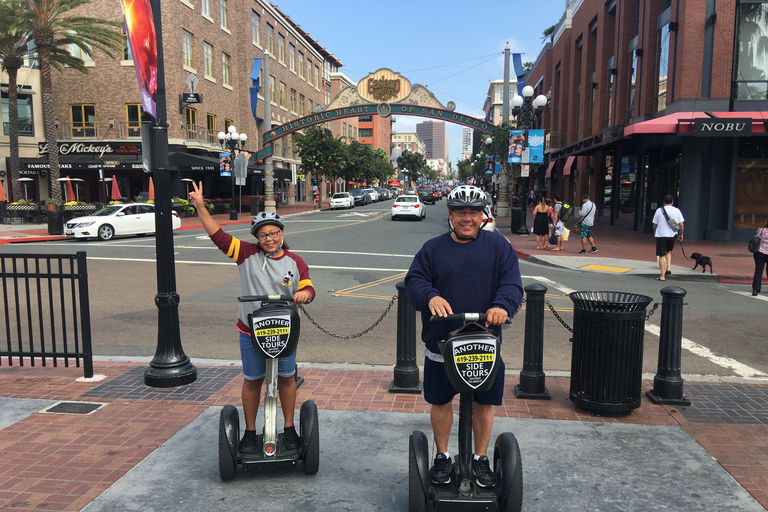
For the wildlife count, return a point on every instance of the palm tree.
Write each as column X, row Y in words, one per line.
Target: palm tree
column 13, row 49
column 53, row 30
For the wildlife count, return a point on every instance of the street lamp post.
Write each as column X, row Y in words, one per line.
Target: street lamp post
column 233, row 141
column 526, row 110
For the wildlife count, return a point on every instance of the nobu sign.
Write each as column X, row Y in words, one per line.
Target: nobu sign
column 722, row 127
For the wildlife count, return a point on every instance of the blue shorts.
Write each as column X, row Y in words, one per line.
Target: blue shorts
column 255, row 367
column 585, row 231
column 438, row 390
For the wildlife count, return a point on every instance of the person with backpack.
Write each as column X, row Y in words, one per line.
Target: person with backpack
column 667, row 225
column 559, row 217
column 586, row 221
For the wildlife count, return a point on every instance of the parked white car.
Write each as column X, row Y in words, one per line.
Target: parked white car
column 117, row 219
column 374, row 195
column 408, row 206
column 342, row 200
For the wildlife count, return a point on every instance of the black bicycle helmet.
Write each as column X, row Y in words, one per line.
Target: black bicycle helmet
column 266, row 219
column 466, row 196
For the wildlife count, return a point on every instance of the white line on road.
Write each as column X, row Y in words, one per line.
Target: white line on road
column 551, row 283
column 749, row 294
column 726, row 362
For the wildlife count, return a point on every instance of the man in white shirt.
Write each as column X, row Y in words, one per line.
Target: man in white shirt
column 665, row 235
column 586, row 221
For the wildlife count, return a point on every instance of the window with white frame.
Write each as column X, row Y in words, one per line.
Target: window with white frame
column 188, row 45
column 281, row 47
column 205, row 7
column 292, row 57
column 255, row 32
column 301, row 64
column 224, row 14
column 226, row 76
column 208, row 58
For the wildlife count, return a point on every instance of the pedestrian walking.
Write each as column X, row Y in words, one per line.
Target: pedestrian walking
column 316, row 195
column 540, row 220
column 586, row 221
column 559, row 224
column 761, row 259
column 664, row 221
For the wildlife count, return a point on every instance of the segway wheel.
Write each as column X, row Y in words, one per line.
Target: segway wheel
column 508, row 466
column 417, row 494
column 310, row 437
column 227, row 462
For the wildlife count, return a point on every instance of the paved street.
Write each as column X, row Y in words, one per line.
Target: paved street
column 711, row 454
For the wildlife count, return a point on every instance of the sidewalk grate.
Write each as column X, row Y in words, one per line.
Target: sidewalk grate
column 74, row 408
column 730, row 404
column 130, row 385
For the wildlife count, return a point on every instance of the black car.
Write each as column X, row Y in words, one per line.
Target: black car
column 427, row 194
column 361, row 197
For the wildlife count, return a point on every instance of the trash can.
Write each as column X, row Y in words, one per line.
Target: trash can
column 607, row 351
column 55, row 222
column 254, row 206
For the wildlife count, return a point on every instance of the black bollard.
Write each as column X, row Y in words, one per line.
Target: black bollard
column 406, row 379
column 532, row 376
column 668, row 382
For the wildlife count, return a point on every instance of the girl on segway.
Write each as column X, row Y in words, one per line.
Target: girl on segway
column 266, row 268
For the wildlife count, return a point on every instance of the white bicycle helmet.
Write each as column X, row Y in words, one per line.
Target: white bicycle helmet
column 266, row 219
column 466, row 196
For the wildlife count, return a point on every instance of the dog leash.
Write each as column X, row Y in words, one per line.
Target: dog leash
column 683, row 249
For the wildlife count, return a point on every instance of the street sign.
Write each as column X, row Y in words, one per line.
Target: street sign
column 241, row 166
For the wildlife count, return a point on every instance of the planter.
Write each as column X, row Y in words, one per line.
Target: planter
column 51, row 207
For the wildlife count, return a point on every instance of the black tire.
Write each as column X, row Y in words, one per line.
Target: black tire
column 106, row 232
column 312, row 442
column 394, row 218
column 417, row 498
column 227, row 463
column 508, row 466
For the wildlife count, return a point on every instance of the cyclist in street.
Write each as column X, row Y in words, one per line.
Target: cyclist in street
column 467, row 270
column 266, row 268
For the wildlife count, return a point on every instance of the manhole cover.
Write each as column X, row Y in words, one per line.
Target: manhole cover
column 74, row 407
column 734, row 255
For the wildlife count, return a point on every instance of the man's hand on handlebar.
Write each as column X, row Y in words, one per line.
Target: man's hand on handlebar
column 438, row 306
column 495, row 316
column 302, row 297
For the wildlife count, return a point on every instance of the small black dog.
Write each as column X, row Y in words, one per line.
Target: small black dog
column 703, row 261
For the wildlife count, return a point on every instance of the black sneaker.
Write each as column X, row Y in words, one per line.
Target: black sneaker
column 481, row 469
column 593, row 250
column 291, row 439
column 248, row 442
column 582, row 251
column 440, row 474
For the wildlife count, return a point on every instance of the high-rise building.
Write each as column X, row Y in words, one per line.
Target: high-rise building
column 466, row 143
column 432, row 133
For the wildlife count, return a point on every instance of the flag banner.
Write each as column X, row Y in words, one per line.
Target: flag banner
column 140, row 27
column 490, row 164
column 516, row 146
column 536, row 146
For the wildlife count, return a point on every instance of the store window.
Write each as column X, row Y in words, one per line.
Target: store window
column 627, row 192
column 750, row 201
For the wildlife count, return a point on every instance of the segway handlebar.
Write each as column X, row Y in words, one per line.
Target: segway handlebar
column 265, row 298
column 464, row 317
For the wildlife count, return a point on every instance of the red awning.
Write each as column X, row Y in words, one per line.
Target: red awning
column 549, row 169
column 671, row 123
column 568, row 164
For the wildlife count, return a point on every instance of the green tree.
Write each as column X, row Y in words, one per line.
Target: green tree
column 54, row 28
column 13, row 50
column 319, row 151
column 413, row 163
column 464, row 169
column 549, row 33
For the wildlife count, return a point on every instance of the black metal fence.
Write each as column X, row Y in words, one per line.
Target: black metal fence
column 46, row 313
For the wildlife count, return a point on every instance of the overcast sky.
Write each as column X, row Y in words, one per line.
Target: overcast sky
column 452, row 47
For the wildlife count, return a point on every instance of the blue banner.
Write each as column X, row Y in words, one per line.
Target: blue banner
column 516, row 146
column 535, row 146
column 254, row 89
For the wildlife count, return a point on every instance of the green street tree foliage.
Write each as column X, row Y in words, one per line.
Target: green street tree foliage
column 54, row 28
column 415, row 165
column 322, row 153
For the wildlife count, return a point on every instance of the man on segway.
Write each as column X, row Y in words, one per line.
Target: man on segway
column 266, row 268
column 465, row 270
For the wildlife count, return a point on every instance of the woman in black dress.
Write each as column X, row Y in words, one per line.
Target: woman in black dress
column 540, row 219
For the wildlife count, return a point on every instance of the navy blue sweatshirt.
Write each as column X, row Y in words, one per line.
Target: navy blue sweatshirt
column 472, row 277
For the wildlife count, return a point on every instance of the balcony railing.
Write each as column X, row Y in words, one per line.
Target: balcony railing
column 80, row 130
column 25, row 129
column 128, row 130
column 556, row 140
column 196, row 132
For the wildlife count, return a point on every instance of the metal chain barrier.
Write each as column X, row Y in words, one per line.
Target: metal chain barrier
column 570, row 329
column 349, row 336
column 513, row 315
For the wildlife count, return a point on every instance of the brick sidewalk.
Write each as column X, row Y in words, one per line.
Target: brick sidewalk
column 53, row 461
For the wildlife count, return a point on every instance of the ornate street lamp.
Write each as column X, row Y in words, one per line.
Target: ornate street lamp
column 526, row 110
column 232, row 141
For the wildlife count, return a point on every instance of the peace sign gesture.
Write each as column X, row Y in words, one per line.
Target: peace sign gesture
column 197, row 194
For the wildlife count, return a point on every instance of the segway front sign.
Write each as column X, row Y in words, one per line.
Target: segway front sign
column 271, row 334
column 474, row 360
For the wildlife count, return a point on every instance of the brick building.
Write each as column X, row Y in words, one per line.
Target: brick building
column 655, row 97
column 211, row 44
